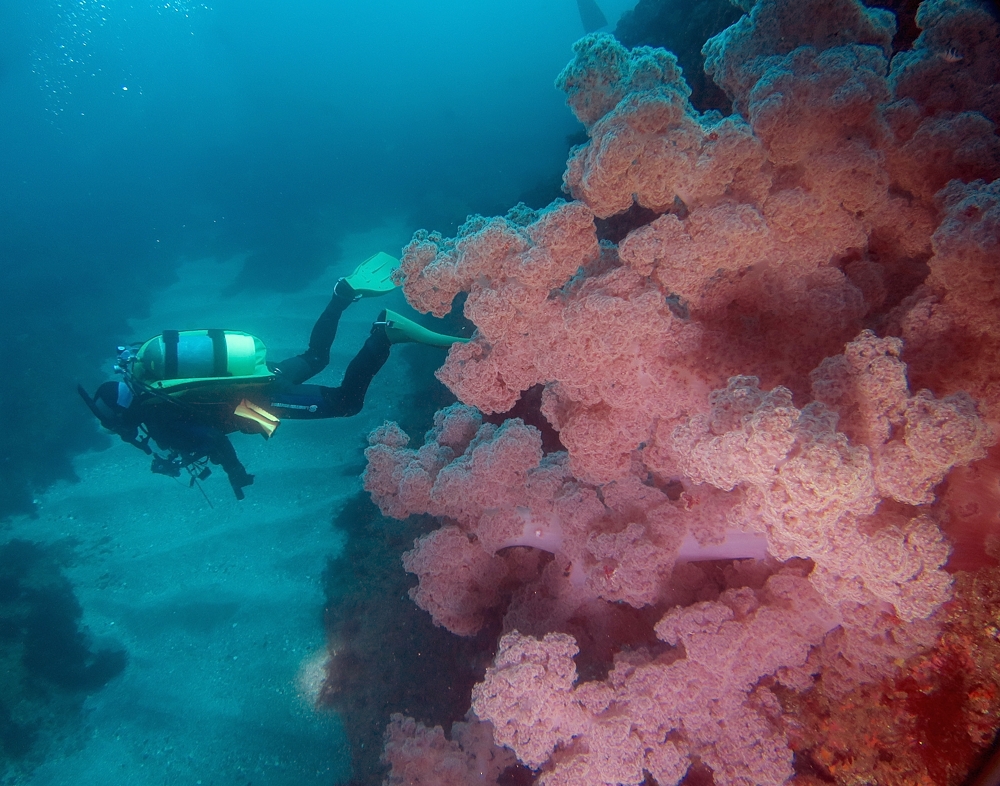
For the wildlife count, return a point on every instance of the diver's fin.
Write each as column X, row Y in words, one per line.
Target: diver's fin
column 401, row 330
column 373, row 277
column 591, row 15
column 262, row 419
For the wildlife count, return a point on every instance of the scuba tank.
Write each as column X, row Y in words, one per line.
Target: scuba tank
column 203, row 371
column 179, row 359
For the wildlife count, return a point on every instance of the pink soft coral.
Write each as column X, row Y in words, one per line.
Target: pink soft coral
column 498, row 489
column 835, row 238
column 421, row 756
column 655, row 714
column 459, row 581
column 952, row 66
column 604, row 350
column 815, row 493
column 740, row 56
column 914, row 440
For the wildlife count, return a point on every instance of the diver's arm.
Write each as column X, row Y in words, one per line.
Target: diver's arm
column 194, row 441
column 221, row 451
column 130, row 435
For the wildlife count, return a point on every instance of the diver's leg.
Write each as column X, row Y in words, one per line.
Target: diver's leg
column 350, row 396
column 307, row 402
column 298, row 369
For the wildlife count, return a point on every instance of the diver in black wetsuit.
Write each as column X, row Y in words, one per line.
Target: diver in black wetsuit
column 193, row 428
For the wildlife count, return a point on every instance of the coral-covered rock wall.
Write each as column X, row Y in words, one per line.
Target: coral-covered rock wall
column 783, row 367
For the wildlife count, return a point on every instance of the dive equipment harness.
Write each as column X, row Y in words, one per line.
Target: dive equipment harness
column 175, row 363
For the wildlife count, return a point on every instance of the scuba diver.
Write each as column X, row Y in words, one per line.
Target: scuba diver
column 187, row 390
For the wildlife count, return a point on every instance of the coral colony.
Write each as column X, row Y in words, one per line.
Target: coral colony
column 795, row 365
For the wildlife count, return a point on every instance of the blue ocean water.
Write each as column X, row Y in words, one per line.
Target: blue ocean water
column 138, row 133
column 158, row 159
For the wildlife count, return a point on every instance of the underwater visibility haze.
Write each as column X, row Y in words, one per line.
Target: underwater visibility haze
column 137, row 137
column 678, row 455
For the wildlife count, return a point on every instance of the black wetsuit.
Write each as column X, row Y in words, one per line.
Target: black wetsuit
column 196, row 427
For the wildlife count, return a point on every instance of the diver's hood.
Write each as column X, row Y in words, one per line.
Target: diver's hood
column 109, row 402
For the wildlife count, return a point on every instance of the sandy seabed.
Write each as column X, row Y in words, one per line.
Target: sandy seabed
column 218, row 603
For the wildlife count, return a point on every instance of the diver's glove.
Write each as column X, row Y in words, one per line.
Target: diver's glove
column 166, row 465
column 238, row 479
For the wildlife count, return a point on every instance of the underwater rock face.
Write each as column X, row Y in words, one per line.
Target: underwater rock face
column 48, row 664
column 796, row 345
column 682, row 28
column 384, row 655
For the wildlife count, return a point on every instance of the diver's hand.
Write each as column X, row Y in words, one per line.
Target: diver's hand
column 238, row 480
column 166, row 465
